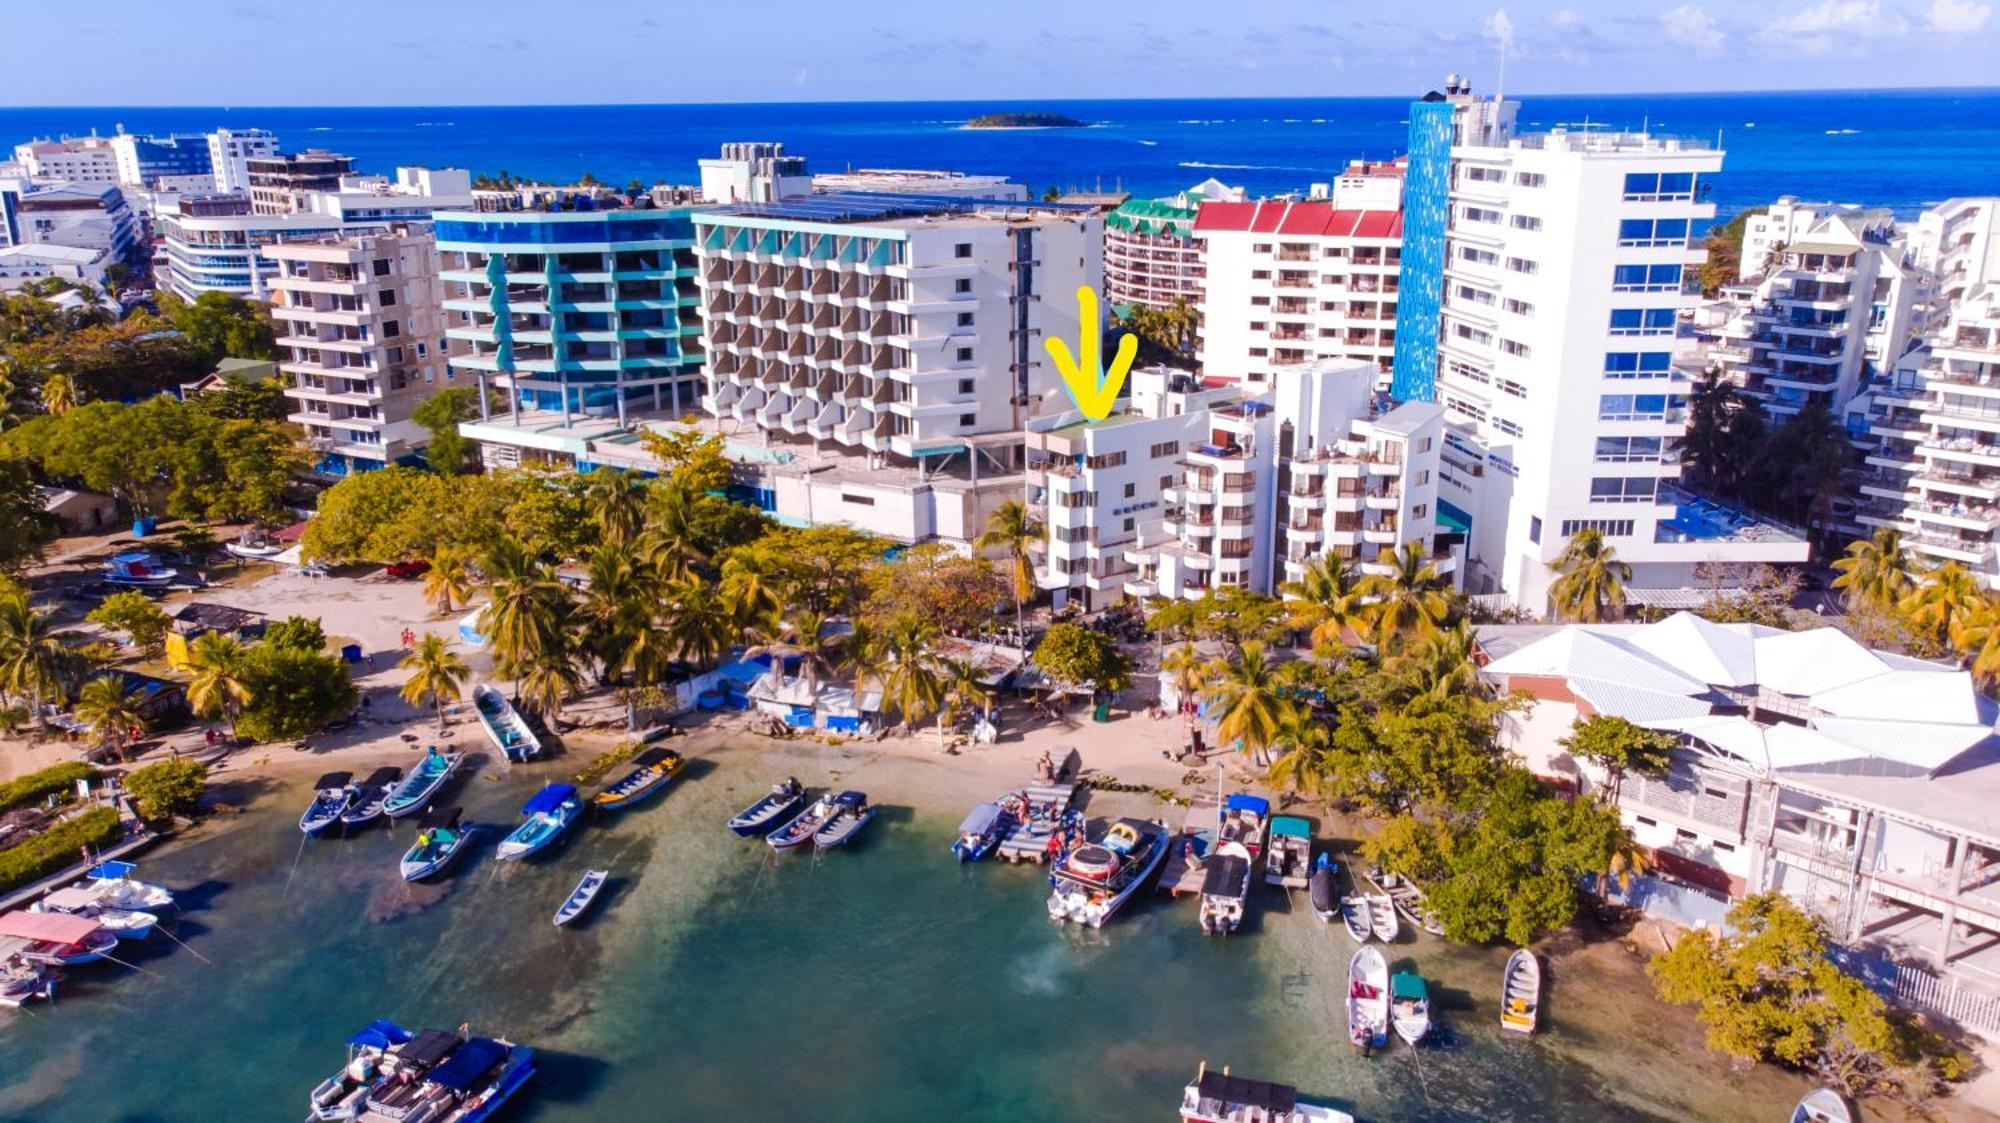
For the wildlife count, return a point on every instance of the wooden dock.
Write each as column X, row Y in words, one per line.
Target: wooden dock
column 1178, row 877
column 1029, row 842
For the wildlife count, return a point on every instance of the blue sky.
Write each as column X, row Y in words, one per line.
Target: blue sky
column 404, row 52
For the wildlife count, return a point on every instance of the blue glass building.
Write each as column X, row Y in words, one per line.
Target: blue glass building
column 1426, row 211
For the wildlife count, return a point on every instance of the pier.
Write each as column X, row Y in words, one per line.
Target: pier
column 1029, row 842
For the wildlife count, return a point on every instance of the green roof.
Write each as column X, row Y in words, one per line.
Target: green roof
column 1153, row 216
column 243, row 371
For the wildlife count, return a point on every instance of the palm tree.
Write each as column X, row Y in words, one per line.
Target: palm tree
column 548, row 682
column 909, row 685
column 1302, row 767
column 1438, row 667
column 437, row 674
column 616, row 500
column 699, row 626
column 1978, row 640
column 806, row 637
column 670, row 541
column 218, row 686
column 1326, row 600
column 1188, row 672
column 1874, row 573
column 1947, row 600
column 110, row 709
column 754, row 598
column 1247, row 706
column 60, row 394
column 1009, row 529
column 448, row 582
column 1590, row 582
column 32, row 658
column 1625, row 861
column 961, row 692
column 1410, row 599
column 523, row 619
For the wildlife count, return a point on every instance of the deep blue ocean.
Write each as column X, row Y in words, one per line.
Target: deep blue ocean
column 1902, row 149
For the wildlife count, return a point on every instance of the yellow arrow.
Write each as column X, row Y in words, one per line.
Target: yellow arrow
column 1092, row 389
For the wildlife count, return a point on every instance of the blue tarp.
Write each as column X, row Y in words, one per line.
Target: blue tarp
column 549, row 799
column 836, row 724
column 743, row 672
column 380, row 1034
column 468, row 1063
column 1241, row 801
column 112, row 871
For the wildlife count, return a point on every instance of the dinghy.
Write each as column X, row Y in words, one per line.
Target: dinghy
column 547, row 814
column 851, row 812
column 504, row 725
column 1382, row 917
column 1368, row 999
column 440, row 838
column 1521, row 992
column 370, row 797
column 1225, row 886
column 981, row 831
column 1410, row 1006
column 803, row 826
column 651, row 770
column 21, row 981
column 423, row 782
column 333, row 794
column 581, row 896
column 1822, row 1105
column 254, row 544
column 1324, row 889
column 768, row 812
column 125, row 924
column 1354, row 914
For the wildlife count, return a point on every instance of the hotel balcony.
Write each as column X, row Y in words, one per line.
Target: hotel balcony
column 1967, row 516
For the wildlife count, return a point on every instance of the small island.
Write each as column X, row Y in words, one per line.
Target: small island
column 1025, row 121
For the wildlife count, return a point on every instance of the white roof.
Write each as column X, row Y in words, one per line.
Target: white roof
column 1719, row 654
column 1810, row 662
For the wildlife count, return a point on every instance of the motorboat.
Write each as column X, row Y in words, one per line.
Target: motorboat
column 1354, row 914
column 371, row 797
column 651, row 772
column 440, row 838
column 983, row 829
column 1288, row 858
column 1092, row 880
column 504, row 725
column 333, row 794
column 1368, row 999
column 438, row 1077
column 254, row 544
column 22, row 981
column 126, row 924
column 1245, row 819
column 803, row 826
column 758, row 818
column 578, row 901
column 851, row 812
column 546, row 815
column 1323, row 888
column 113, row 884
column 416, row 789
column 1217, row 1097
column 1382, row 918
column 1409, row 1006
column 57, row 939
column 138, row 570
column 1521, row 992
column 1225, row 887
column 339, row 1097
column 1408, row 900
column 1823, row 1105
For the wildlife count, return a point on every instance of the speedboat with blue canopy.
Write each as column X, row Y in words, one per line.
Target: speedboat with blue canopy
column 981, row 831
column 339, row 1097
column 549, row 813
column 1245, row 818
column 434, row 1076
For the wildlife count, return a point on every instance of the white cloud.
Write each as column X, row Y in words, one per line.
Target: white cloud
column 1692, row 27
column 1566, row 19
column 1958, row 16
column 1847, row 24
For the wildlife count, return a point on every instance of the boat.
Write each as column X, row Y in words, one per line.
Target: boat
column 126, row 924
column 803, row 826
column 254, row 543
column 1382, row 918
column 1091, row 881
column 651, row 770
column 504, row 725
column 851, row 812
column 1217, row 1097
column 1521, row 992
column 1354, row 914
column 339, row 1096
column 22, row 981
column 1368, row 999
column 1323, row 888
column 1288, row 859
column 423, row 782
column 138, row 570
column 435, row 1077
column 1225, row 887
column 113, row 884
column 981, row 831
column 580, row 897
column 371, row 797
column 333, row 794
column 1822, row 1105
column 1245, row 819
column 57, row 939
column 440, row 838
column 1408, row 900
column 758, row 818
column 1409, row 1006
column 549, row 813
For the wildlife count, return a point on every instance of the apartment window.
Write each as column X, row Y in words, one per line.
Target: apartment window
column 1518, row 307
column 1509, row 386
column 1166, row 448
column 1642, row 321
column 1478, row 256
column 1655, row 187
column 381, row 267
column 1652, row 231
column 1106, row 460
column 858, row 500
column 1525, row 222
column 967, row 420
column 1622, row 489
column 1474, row 296
column 395, row 355
column 420, row 350
column 1260, row 274
column 1511, row 428
column 963, row 249
column 965, row 354
column 1473, row 334
column 391, row 329
column 1131, row 490
column 1638, row 407
column 1481, row 214
column 1724, row 847
column 1166, row 482
column 1130, row 523
column 1420, row 510
column 1518, row 350
column 1646, row 278
column 962, row 285
column 965, row 319
column 1523, row 265
column 1618, row 450
column 1638, row 364
column 1535, row 529
column 1485, row 175
column 387, row 298
column 1261, row 247
column 1646, row 822
column 1530, row 179
column 965, row 386
column 1609, row 528
column 1260, row 302
column 1259, row 352
column 1260, row 325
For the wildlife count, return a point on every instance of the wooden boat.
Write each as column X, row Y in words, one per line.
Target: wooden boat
column 1092, row 881
column 57, row 939
column 1354, row 914
column 1225, row 889
column 1382, row 918
column 851, row 812
column 333, row 794
column 126, row 924
column 371, row 796
column 803, row 826
column 758, row 818
column 423, row 782
column 1408, row 899
column 1368, row 999
column 546, row 815
column 1521, row 992
column 983, row 829
column 651, row 772
column 504, row 725
column 1245, row 819
column 1823, row 1105
column 338, row 1097
column 440, row 839
column 581, row 896
column 1409, row 1006
column 1217, row 1097
column 1288, row 858
column 22, row 981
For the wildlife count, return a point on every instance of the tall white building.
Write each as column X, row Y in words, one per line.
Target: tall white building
column 1957, row 242
column 91, row 216
column 230, row 152
column 921, row 181
column 83, row 160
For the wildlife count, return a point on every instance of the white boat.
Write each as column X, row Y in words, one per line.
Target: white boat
column 126, row 924
column 333, row 794
column 1409, row 1006
column 546, row 816
column 138, row 570
column 1822, row 1105
column 1521, row 992
column 1091, row 882
column 1217, row 1097
column 114, row 885
column 580, row 897
column 423, row 782
column 504, row 725
column 851, row 812
column 1382, row 918
column 254, row 544
column 1354, row 915
column 57, row 939
column 1288, row 858
column 1225, row 887
column 440, row 839
column 21, row 981
column 1409, row 900
column 1368, row 999
column 803, row 826
column 339, row 1097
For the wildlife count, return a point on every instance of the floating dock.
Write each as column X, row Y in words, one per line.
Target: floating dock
column 1178, row 876
column 1029, row 842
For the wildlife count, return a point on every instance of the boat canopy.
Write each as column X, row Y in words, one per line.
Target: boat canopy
column 429, row 1047
column 1290, row 826
column 1243, row 801
column 380, row 1034
column 471, row 1061
column 63, row 900
column 981, row 820
column 1273, row 1098
column 1225, row 876
column 654, row 757
column 851, row 799
column 440, row 817
column 112, row 871
column 50, row 927
column 333, row 780
column 1405, row 985
column 549, row 799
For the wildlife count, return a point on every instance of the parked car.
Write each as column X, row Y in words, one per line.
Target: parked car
column 407, row 570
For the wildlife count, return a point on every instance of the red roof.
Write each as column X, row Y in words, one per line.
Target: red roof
column 54, row 927
column 1311, row 219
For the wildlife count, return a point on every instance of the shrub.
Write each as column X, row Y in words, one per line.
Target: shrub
column 135, row 614
column 300, row 633
column 35, row 787
column 167, row 788
column 57, row 848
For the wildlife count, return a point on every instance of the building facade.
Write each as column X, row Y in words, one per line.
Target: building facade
column 283, row 183
column 753, row 172
column 230, row 152
column 1957, row 243
column 82, row 160
column 1152, row 258
column 92, row 217
column 144, row 160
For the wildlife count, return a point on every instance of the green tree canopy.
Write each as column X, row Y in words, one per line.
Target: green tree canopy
column 448, row 450
column 167, row 788
column 133, row 613
column 298, row 633
column 1074, row 656
column 292, row 693
column 956, row 592
column 219, row 325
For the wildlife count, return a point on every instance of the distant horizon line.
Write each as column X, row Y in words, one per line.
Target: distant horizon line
column 983, row 101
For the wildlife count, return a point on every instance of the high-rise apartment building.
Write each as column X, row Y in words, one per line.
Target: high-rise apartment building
column 230, row 152
column 1152, row 258
column 144, row 160
column 280, row 184
column 1957, row 243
